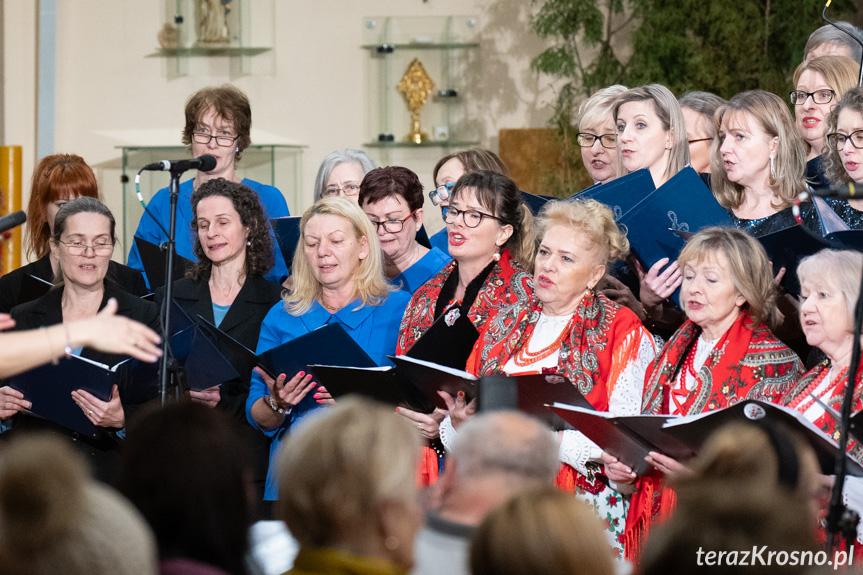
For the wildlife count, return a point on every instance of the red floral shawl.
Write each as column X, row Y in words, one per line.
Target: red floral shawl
column 747, row 363
column 507, row 284
column 827, row 423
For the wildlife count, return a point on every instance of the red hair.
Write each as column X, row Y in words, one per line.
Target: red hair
column 57, row 177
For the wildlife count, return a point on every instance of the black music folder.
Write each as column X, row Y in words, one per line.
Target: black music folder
column 204, row 365
column 287, row 232
column 628, row 438
column 154, row 261
column 530, row 394
column 447, row 342
column 620, row 194
column 32, row 287
column 382, row 384
column 49, row 389
column 429, row 378
column 327, row 345
column 242, row 358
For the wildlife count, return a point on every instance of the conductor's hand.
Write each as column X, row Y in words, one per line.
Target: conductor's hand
column 459, row 409
column 101, row 413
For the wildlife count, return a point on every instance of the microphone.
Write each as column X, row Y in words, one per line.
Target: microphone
column 12, row 220
column 847, row 191
column 204, row 163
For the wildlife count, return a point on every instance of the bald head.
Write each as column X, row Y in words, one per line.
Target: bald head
column 507, row 444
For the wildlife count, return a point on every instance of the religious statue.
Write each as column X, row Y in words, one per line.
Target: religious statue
column 415, row 87
column 212, row 21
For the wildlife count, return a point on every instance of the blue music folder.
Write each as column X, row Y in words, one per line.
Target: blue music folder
column 287, row 231
column 621, row 194
column 535, row 202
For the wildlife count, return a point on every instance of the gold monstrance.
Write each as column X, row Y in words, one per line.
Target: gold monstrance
column 415, row 87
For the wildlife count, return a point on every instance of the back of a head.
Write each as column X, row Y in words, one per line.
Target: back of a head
column 519, row 450
column 751, row 486
column 846, row 39
column 185, row 469
column 339, row 465
column 541, row 532
column 55, row 519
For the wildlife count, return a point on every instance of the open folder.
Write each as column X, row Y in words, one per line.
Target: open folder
column 49, row 388
column 287, row 232
column 155, row 260
column 620, row 194
column 447, row 342
column 530, row 394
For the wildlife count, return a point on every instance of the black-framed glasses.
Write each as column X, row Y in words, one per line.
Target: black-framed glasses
column 798, row 97
column 441, row 193
column 837, row 140
column 586, row 140
column 204, row 138
column 349, row 189
column 393, row 226
column 700, row 140
column 80, row 248
column 471, row 218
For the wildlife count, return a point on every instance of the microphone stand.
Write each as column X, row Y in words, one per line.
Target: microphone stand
column 840, row 519
column 844, row 31
column 169, row 368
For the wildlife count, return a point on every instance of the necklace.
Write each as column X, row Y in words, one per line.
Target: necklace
column 524, row 357
column 803, row 402
column 328, row 306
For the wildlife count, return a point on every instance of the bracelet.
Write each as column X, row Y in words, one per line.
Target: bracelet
column 68, row 348
column 276, row 408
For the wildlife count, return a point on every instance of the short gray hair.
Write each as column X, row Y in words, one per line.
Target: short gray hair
column 828, row 34
column 506, row 443
column 704, row 103
column 333, row 159
column 842, row 268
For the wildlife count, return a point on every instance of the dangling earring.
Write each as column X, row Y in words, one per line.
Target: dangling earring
column 496, row 256
column 772, row 167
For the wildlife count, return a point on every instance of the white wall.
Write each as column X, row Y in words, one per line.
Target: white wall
column 106, row 85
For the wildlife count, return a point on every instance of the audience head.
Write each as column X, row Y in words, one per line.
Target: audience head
column 486, row 215
column 698, row 110
column 347, row 480
column 218, row 123
column 751, row 486
column 453, row 166
column 541, row 532
column 229, row 225
column 757, row 146
column 819, row 84
column 54, row 518
column 83, row 241
column 392, row 198
column 827, row 41
column 829, row 286
column 335, row 232
column 597, row 134
column 56, row 180
column 184, row 467
column 726, row 271
column 341, row 174
column 843, row 162
column 577, row 241
column 651, row 131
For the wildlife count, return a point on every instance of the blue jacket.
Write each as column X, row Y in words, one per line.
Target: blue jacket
column 374, row 328
column 274, row 207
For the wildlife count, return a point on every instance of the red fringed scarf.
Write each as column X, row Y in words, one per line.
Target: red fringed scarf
column 746, row 363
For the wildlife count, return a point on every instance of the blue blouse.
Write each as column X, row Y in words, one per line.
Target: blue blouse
column 440, row 241
column 272, row 201
column 374, row 328
column 422, row 271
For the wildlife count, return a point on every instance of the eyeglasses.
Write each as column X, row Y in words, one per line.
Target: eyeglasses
column 586, row 140
column 393, row 226
column 837, row 140
column 700, row 140
column 441, row 193
column 204, row 138
column 80, row 249
column 350, row 189
column 471, row 218
column 798, row 97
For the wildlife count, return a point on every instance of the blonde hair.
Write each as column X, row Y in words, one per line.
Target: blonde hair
column 338, row 465
column 590, row 217
column 841, row 267
column 371, row 286
column 747, row 263
column 541, row 532
column 670, row 113
column 773, row 116
column 600, row 106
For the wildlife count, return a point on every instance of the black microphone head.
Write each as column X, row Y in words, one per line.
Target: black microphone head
column 17, row 218
column 208, row 163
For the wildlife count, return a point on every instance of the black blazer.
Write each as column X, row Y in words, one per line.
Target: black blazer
column 47, row 311
column 129, row 279
column 242, row 322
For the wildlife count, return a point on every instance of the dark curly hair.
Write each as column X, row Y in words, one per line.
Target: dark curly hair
column 259, row 252
column 381, row 183
column 834, row 167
